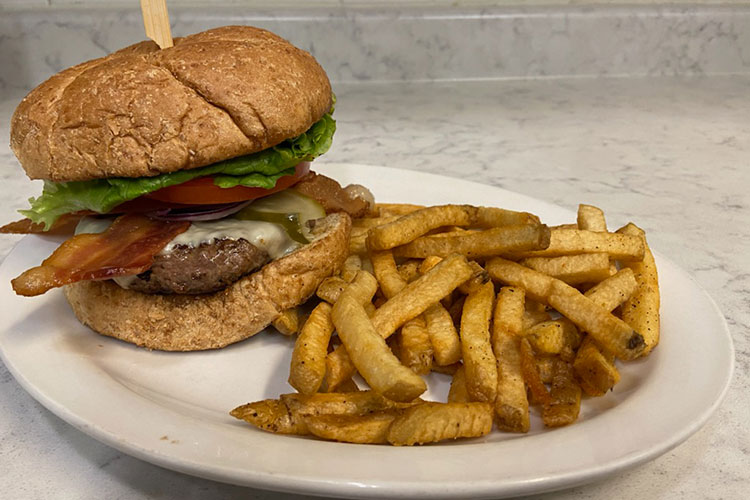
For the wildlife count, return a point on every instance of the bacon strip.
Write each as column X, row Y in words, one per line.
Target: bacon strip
column 331, row 195
column 127, row 247
column 65, row 224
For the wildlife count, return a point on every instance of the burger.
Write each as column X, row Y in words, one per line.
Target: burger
column 184, row 174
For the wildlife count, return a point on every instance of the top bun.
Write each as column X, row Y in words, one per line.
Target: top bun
column 143, row 111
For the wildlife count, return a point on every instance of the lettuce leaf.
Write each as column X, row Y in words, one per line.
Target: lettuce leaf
column 261, row 169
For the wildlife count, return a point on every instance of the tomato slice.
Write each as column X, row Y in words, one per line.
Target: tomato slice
column 203, row 191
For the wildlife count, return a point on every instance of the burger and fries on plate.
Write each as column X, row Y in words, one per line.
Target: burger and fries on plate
column 183, row 176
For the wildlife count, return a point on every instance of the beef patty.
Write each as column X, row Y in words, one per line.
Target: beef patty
column 203, row 269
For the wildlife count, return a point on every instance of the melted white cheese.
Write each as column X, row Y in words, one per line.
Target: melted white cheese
column 272, row 238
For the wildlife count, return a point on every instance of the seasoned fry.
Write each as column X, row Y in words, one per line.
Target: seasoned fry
column 396, row 209
column 415, row 349
column 479, row 362
column 386, row 272
column 458, row 392
column 446, row 345
column 545, row 365
column 370, row 222
column 330, row 289
column 572, row 269
column 551, row 337
column 609, row 331
column 369, row 352
column 530, row 374
column 428, row 263
column 511, row 404
column 433, row 422
column 641, row 310
column 352, row 264
column 505, row 240
column 348, row 385
column 565, row 395
column 534, row 313
column 595, row 368
column 288, row 322
column 358, row 240
column 362, row 429
column 308, row 366
column 415, row 224
column 271, row 415
column 574, row 241
column 496, row 217
column 613, row 291
column 409, row 270
column 421, row 293
column 509, row 311
column 352, row 403
column 447, row 369
column 591, row 218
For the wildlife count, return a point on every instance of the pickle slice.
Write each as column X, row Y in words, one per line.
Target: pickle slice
column 287, row 208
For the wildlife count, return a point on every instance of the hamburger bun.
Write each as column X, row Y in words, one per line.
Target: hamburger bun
column 212, row 321
column 143, row 111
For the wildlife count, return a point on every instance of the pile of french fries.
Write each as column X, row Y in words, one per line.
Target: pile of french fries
column 518, row 314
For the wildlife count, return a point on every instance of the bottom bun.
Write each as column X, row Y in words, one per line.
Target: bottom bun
column 211, row 321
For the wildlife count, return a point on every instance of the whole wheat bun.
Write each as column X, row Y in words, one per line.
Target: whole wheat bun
column 143, row 111
column 211, row 321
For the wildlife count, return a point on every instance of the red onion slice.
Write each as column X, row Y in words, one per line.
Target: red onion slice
column 200, row 213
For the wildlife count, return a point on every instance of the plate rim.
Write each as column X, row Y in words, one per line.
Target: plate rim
column 279, row 482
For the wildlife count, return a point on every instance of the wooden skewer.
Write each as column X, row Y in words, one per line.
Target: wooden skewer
column 156, row 22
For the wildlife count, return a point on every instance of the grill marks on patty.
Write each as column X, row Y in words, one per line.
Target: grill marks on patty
column 206, row 268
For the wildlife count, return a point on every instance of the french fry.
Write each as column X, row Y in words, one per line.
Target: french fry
column 505, row 240
column 396, row 209
column 447, row 369
column 545, row 365
column 417, row 223
column 409, row 303
column 623, row 247
column 308, row 366
column 351, row 403
column 351, row 266
column 358, row 240
column 271, row 415
column 613, row 291
column 572, row 269
column 595, row 368
column 530, row 374
column 339, row 369
column 330, row 289
column 565, row 395
column 362, row 429
column 421, row 293
column 458, row 392
column 409, row 270
column 496, row 217
column 479, row 362
column 369, row 352
column 534, row 313
column 288, row 322
column 433, row 422
column 348, row 385
column 415, row 348
column 370, row 222
column 428, row 263
column 446, row 345
column 386, row 272
column 609, row 331
column 641, row 310
column 511, row 403
column 591, row 218
column 551, row 337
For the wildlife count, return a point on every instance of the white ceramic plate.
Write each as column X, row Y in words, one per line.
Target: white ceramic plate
column 172, row 409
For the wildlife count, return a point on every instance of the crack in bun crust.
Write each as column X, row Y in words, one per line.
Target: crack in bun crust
column 212, row 321
column 142, row 111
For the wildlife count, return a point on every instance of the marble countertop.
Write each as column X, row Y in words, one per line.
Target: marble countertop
column 671, row 154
